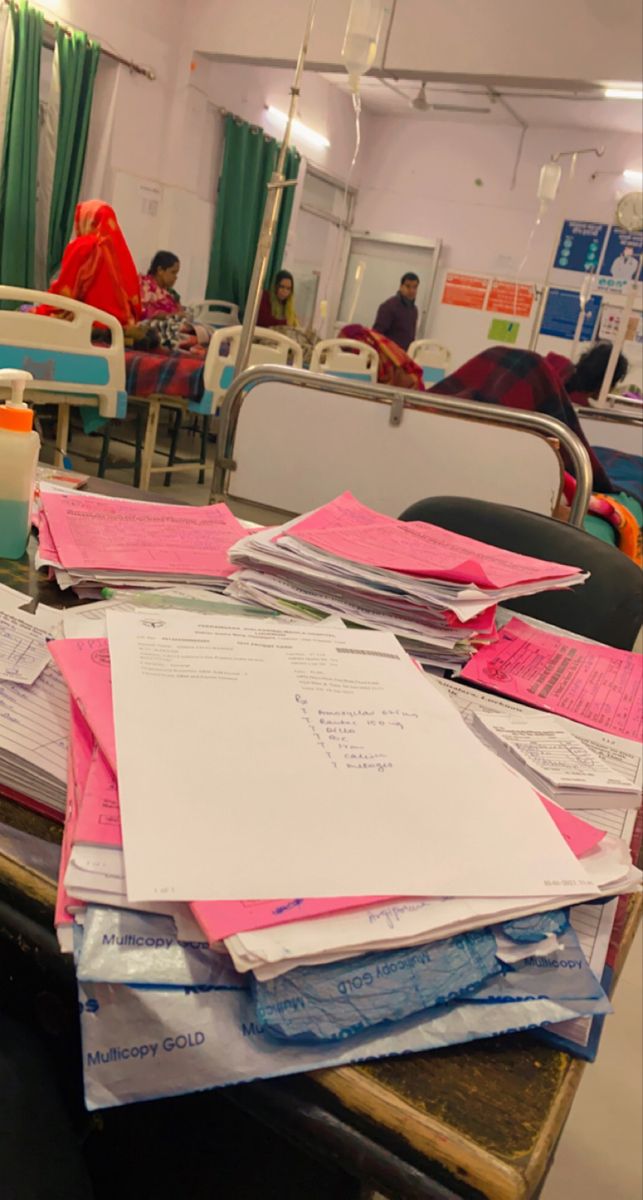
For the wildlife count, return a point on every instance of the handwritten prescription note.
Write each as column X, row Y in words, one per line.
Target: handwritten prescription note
column 298, row 803
column 593, row 684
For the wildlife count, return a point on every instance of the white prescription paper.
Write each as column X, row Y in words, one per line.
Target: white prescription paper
column 552, row 751
column 621, row 754
column 257, row 760
column 23, row 648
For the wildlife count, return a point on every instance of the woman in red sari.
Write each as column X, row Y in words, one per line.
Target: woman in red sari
column 97, row 267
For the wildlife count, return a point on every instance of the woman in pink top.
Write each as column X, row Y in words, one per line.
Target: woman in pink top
column 158, row 297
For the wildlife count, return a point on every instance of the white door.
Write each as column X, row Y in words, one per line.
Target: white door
column 373, row 272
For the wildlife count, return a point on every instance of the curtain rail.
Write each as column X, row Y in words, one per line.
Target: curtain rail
column 50, row 29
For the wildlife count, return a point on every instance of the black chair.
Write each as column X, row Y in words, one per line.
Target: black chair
column 607, row 607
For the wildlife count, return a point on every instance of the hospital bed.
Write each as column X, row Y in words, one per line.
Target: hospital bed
column 68, row 368
column 290, row 440
column 616, row 435
column 215, row 313
column 619, row 425
column 432, row 357
column 345, row 357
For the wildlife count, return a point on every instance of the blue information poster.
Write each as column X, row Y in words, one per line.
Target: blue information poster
column 580, row 246
column 622, row 260
column 561, row 314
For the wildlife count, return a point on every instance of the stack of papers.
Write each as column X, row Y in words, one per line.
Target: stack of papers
column 434, row 589
column 33, row 710
column 571, row 769
column 90, row 541
column 218, row 761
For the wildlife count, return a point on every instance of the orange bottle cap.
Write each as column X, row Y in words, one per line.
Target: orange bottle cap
column 19, row 418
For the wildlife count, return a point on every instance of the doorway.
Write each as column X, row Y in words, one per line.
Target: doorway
column 374, row 267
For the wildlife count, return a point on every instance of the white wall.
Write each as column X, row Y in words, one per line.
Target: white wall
column 453, row 181
column 164, row 155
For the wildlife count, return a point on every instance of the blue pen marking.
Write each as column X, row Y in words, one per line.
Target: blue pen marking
column 282, row 908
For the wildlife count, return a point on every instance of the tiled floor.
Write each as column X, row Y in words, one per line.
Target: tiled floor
column 600, row 1154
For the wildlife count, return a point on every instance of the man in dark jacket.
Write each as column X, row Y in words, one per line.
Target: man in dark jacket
column 397, row 318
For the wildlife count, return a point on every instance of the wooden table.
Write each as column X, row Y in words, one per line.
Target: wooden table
column 480, row 1120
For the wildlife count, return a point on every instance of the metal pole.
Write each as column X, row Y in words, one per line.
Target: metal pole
column 540, row 307
column 271, row 210
column 617, row 346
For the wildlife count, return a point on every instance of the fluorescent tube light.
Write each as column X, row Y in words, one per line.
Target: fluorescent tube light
column 623, row 94
column 304, row 131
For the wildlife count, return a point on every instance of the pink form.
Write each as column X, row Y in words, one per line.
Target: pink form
column 98, row 533
column 593, row 684
column 81, row 744
column 99, row 819
column 349, row 530
column 85, row 666
column 46, row 546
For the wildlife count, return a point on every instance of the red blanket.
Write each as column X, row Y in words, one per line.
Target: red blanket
column 520, row 379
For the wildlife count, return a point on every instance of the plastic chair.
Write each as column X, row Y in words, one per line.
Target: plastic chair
column 347, row 358
column 606, row 608
column 218, row 314
column 433, row 357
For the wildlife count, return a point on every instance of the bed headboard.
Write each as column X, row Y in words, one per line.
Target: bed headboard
column 291, row 440
column 59, row 352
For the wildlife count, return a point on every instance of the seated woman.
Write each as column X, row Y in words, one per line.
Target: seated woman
column 97, row 267
column 395, row 367
column 522, row 379
column 158, row 297
column 583, row 381
column 278, row 303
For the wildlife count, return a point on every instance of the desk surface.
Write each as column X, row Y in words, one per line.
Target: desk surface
column 477, row 1120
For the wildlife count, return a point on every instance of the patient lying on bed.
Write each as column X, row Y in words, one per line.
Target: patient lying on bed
column 522, row 379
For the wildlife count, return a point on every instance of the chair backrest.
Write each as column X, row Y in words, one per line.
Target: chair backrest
column 433, row 357
column 345, row 357
column 268, row 348
column 61, row 355
column 216, row 313
column 607, row 607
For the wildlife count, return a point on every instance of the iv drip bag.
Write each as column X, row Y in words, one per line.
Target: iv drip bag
column 550, row 174
column 361, row 37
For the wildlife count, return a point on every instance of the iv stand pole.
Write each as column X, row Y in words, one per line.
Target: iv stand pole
column 272, row 208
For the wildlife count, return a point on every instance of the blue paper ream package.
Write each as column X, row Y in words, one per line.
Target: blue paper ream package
column 125, row 946
column 535, row 928
column 341, row 999
column 144, row 1044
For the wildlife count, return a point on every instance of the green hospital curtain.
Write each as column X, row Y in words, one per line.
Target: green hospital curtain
column 77, row 63
column 249, row 159
column 20, row 150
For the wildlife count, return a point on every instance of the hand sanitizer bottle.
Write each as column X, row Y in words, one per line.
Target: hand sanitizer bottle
column 19, row 448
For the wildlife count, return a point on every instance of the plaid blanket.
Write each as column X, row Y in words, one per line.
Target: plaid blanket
column 520, row 379
column 179, row 375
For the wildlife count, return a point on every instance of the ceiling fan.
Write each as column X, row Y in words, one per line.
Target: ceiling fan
column 421, row 104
